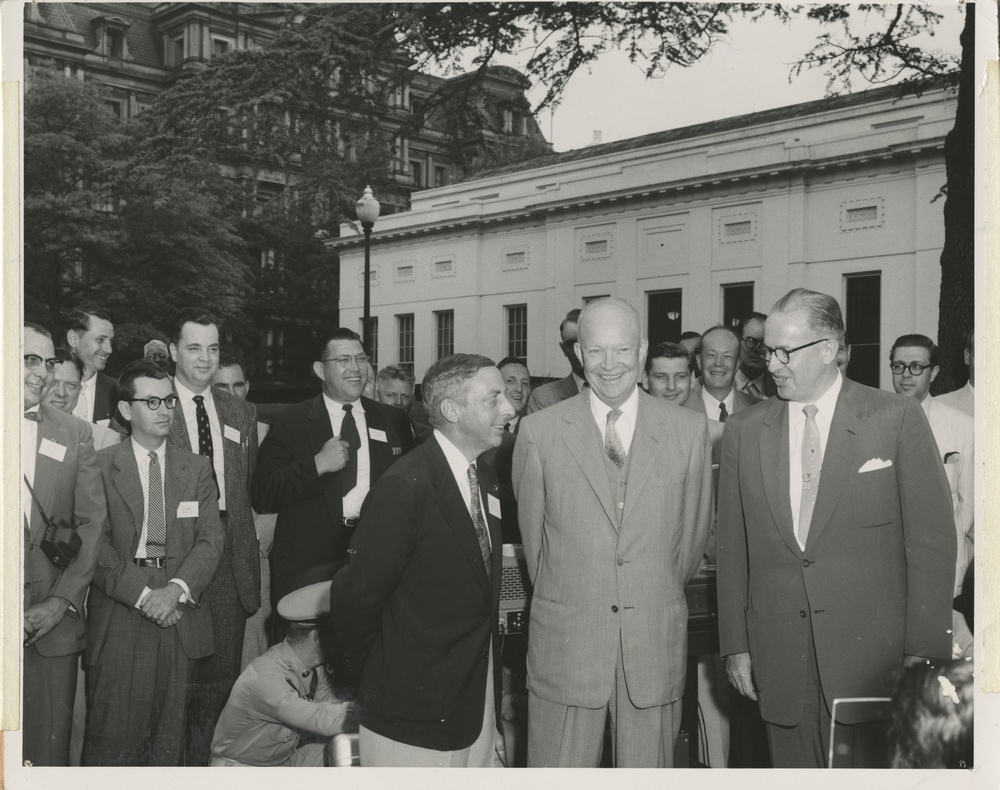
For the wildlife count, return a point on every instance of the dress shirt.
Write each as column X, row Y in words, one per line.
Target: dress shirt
column 826, row 404
column 712, row 403
column 459, row 466
column 625, row 426
column 190, row 409
column 356, row 496
column 142, row 461
column 29, row 448
column 84, row 408
column 512, row 423
column 753, row 387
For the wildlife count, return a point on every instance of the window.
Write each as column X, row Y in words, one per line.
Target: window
column 220, row 46
column 598, row 247
column 115, row 43
column 273, row 343
column 404, row 331
column 663, row 316
column 116, row 107
column 178, row 50
column 517, row 331
column 737, row 301
column 863, row 318
column 445, row 327
column 417, row 172
column 440, row 175
column 444, row 268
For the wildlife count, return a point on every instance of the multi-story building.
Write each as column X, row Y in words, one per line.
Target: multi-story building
column 694, row 226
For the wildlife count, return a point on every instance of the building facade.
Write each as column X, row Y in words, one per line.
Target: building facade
column 694, row 226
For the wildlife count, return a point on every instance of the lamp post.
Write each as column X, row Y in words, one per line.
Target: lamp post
column 367, row 209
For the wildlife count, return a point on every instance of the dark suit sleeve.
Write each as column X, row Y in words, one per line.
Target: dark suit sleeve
column 201, row 561
column 929, row 537
column 380, row 551
column 731, row 548
column 281, row 478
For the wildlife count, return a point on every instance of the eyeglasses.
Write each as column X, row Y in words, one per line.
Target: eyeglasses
column 32, row 361
column 784, row 353
column 153, row 403
column 752, row 342
column 915, row 368
column 360, row 360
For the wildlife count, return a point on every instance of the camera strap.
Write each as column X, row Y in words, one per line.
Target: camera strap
column 45, row 518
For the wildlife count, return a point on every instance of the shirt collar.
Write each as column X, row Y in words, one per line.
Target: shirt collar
column 142, row 454
column 600, row 409
column 456, row 458
column 581, row 384
column 925, row 404
column 187, row 395
column 36, row 407
column 825, row 403
column 336, row 405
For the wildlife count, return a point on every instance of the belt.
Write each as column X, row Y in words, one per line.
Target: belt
column 150, row 562
column 350, row 522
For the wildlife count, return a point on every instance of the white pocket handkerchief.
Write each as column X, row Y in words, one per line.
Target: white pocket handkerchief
column 873, row 464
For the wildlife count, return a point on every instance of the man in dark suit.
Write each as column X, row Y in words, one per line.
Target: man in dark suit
column 720, row 353
column 89, row 335
column 222, row 428
column 416, row 609
column 558, row 391
column 315, row 470
column 752, row 376
column 836, row 551
column 58, row 462
column 149, row 621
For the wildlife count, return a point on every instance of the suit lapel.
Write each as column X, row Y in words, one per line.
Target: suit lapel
column 126, row 480
column 774, row 444
column 178, row 429
column 643, row 452
column 380, row 453
column 319, row 432
column 584, row 442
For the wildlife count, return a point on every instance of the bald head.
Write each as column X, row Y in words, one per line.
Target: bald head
column 611, row 349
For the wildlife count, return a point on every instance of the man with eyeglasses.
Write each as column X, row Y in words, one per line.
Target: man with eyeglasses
column 60, row 471
column 752, row 377
column 913, row 361
column 575, row 382
column 150, row 624
column 89, row 335
column 65, row 393
column 320, row 459
column 836, row 559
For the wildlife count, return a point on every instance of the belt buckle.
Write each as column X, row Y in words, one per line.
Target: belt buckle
column 350, row 522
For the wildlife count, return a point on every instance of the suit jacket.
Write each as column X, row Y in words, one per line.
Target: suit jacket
column 310, row 530
column 240, row 462
column 879, row 563
column 597, row 584
column 551, row 393
column 69, row 490
column 414, row 610
column 500, row 459
column 105, row 397
column 963, row 399
column 955, row 436
column 194, row 544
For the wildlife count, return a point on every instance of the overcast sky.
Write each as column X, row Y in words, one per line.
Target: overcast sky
column 749, row 73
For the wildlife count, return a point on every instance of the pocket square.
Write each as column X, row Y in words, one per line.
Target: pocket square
column 873, row 464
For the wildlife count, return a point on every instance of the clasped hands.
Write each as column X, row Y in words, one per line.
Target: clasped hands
column 160, row 605
column 332, row 456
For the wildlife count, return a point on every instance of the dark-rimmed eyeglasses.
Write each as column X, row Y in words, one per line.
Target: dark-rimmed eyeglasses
column 153, row 403
column 752, row 342
column 784, row 353
column 344, row 360
column 32, row 361
column 915, row 368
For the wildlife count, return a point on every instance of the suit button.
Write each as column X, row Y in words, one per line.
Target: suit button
column 802, row 613
column 621, row 561
column 614, row 609
column 806, row 563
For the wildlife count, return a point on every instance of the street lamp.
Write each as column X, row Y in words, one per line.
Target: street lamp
column 367, row 212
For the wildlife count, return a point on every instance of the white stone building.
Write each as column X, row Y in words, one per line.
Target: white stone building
column 694, row 226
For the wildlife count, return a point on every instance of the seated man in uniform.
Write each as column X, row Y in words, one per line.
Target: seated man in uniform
column 287, row 692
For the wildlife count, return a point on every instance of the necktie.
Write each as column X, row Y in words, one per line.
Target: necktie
column 612, row 441
column 349, row 434
column 478, row 521
column 205, row 446
column 506, row 427
column 34, row 416
column 812, row 463
column 82, row 409
column 722, row 412
column 156, row 522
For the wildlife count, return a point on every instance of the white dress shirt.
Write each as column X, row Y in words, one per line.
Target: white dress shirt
column 825, row 406
column 29, row 448
column 356, row 496
column 84, row 408
column 625, row 426
column 190, row 409
column 712, row 404
column 459, row 466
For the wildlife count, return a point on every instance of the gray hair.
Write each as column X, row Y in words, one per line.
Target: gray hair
column 393, row 373
column 822, row 311
column 449, row 378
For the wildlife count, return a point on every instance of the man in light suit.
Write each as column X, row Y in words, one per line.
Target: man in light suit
column 89, row 334
column 65, row 393
column 222, row 428
column 614, row 498
column 964, row 398
column 149, row 621
column 558, row 391
column 416, row 609
column 836, row 553
column 315, row 471
column 913, row 360
column 57, row 460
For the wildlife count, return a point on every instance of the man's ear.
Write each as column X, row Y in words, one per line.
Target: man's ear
column 173, row 351
column 318, row 371
column 450, row 410
column 73, row 339
column 934, row 372
column 126, row 409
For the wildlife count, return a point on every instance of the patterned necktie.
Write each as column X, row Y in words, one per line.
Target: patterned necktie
column 479, row 522
column 82, row 409
column 349, row 434
column 812, row 462
column 205, row 446
column 156, row 522
column 612, row 441
column 722, row 412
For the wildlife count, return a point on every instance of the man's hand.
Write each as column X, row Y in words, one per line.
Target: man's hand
column 42, row 618
column 333, row 456
column 740, row 676
column 158, row 604
column 171, row 619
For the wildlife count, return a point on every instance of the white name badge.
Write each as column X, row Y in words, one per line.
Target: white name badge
column 494, row 505
column 187, row 510
column 377, row 435
column 52, row 450
column 231, row 433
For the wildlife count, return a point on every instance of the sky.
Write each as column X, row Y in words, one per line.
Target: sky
column 748, row 73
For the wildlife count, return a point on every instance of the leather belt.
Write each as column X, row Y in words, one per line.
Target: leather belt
column 150, row 562
column 351, row 522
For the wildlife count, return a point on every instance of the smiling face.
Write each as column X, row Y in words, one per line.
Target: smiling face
column 37, row 381
column 196, row 354
column 720, row 351
column 65, row 391
column 342, row 383
column 906, row 383
column 611, row 351
column 478, row 422
column 670, row 378
column 93, row 346
column 810, row 371
column 149, row 427
column 517, row 385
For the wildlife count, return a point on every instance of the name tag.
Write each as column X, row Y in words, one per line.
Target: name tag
column 494, row 505
column 231, row 433
column 377, row 435
column 52, row 450
column 187, row 510
column 106, row 423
